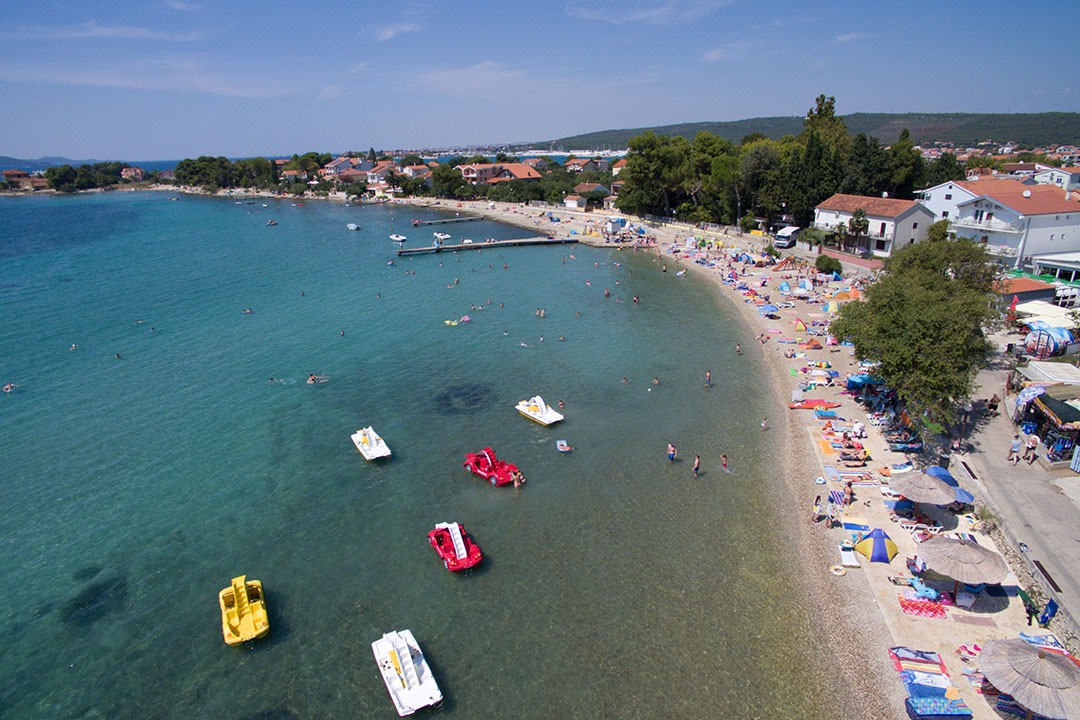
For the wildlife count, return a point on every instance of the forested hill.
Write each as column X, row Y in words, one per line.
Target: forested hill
column 964, row 129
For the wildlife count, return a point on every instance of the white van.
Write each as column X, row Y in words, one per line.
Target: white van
column 786, row 238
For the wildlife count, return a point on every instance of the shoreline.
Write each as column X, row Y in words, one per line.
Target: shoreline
column 857, row 636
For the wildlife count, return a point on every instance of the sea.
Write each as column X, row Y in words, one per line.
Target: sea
column 160, row 440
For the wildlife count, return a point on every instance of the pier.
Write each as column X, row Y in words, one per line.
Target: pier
column 469, row 218
column 488, row 245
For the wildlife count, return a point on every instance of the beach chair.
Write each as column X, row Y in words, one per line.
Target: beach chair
column 1048, row 613
column 848, row 557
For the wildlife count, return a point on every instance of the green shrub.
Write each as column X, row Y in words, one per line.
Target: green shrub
column 828, row 264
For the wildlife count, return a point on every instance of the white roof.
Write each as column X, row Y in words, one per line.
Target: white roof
column 1039, row 371
column 1050, row 312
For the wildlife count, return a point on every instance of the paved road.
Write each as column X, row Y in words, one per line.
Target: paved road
column 1038, row 508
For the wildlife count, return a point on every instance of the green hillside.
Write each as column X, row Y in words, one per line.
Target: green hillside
column 961, row 128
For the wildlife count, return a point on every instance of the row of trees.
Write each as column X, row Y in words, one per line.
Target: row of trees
column 65, row 178
column 710, row 179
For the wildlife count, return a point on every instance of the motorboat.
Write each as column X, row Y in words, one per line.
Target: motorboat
column 406, row 672
column 563, row 446
column 455, row 547
column 488, row 466
column 370, row 445
column 537, row 410
column 398, row 238
column 243, row 611
column 352, row 226
column 271, row 221
column 441, row 236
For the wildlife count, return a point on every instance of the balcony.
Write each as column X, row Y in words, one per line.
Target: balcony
column 987, row 225
column 1000, row 250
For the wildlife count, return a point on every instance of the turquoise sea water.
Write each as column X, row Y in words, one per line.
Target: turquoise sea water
column 133, row 489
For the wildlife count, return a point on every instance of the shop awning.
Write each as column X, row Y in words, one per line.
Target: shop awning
column 1064, row 415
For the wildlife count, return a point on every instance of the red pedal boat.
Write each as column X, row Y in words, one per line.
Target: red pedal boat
column 455, row 547
column 814, row 404
column 491, row 468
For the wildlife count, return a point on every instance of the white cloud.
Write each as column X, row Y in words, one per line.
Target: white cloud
column 666, row 12
column 161, row 73
column 731, row 51
column 182, row 6
column 386, row 32
column 358, row 68
column 851, row 37
column 328, row 92
column 482, row 80
column 92, row 30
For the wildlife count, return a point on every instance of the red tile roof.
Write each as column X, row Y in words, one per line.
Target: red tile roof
column 1034, row 199
column 875, row 206
column 1023, row 284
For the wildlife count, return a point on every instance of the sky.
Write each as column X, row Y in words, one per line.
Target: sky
column 167, row 79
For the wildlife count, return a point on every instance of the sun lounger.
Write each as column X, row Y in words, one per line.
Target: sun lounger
column 848, row 557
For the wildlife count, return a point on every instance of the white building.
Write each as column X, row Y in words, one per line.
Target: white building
column 1019, row 225
column 1066, row 178
column 944, row 199
column 893, row 223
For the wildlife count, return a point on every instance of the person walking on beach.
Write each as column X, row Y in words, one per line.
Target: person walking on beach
column 708, row 378
column 697, row 466
column 672, row 452
column 765, row 423
column 1014, row 450
column 738, row 349
column 1030, row 448
column 723, row 462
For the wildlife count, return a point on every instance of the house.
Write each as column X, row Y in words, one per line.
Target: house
column 574, row 202
column 610, row 202
column 893, row 223
column 336, row 166
column 516, row 171
column 1021, row 223
column 539, row 164
column 580, row 165
column 618, row 167
column 133, row 174
column 294, row 176
column 378, row 173
column 1066, row 178
column 583, row 188
column 351, row 175
column 943, row 199
column 416, row 171
column 478, row 173
column 1025, row 289
column 17, row 178
column 166, row 175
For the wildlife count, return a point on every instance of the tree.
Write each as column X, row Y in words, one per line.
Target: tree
column 922, row 322
column 858, row 225
column 866, row 169
column 447, row 182
column 905, row 167
column 371, row 155
column 823, row 120
column 943, row 169
column 938, row 231
column 411, row 159
column 828, row 264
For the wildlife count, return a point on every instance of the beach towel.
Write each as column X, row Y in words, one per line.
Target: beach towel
column 1048, row 613
column 936, row 707
column 922, row 608
column 1006, row 704
column 856, row 524
column 831, row 473
column 901, row 654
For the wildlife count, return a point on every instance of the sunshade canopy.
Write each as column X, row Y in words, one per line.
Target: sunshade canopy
column 963, row 560
column 1041, row 681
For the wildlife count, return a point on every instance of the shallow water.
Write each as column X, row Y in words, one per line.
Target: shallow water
column 614, row 584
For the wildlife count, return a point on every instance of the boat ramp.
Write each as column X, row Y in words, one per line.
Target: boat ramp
column 462, row 218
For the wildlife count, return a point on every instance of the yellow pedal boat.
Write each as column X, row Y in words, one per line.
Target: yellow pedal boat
column 243, row 611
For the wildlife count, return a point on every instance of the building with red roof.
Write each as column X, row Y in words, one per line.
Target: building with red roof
column 892, row 223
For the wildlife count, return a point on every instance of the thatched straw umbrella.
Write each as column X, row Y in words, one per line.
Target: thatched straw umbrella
column 923, row 488
column 963, row 560
column 1039, row 680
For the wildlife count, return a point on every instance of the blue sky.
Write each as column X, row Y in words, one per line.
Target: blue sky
column 165, row 79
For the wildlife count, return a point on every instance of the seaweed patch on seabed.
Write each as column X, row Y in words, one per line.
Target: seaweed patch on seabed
column 276, row 714
column 95, row 602
column 463, row 399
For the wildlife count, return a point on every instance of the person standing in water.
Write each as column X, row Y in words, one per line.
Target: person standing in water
column 672, row 452
column 697, row 466
column 708, row 378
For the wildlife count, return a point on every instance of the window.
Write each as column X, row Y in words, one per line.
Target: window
column 882, row 228
column 948, row 196
column 944, row 213
column 914, row 226
column 880, row 245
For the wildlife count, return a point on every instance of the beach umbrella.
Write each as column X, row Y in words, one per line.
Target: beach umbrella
column 941, row 473
column 1039, row 680
column 767, row 309
column 923, row 488
column 964, row 497
column 965, row 561
column 877, row 547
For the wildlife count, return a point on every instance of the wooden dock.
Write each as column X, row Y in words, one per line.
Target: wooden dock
column 488, row 245
column 468, row 218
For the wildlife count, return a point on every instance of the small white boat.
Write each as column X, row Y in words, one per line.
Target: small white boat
column 370, row 445
column 406, row 672
column 441, row 236
column 538, row 411
column 398, row 238
column 352, row 226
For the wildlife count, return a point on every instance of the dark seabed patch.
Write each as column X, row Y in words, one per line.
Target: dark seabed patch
column 95, row 602
column 463, row 399
column 275, row 714
column 87, row 573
